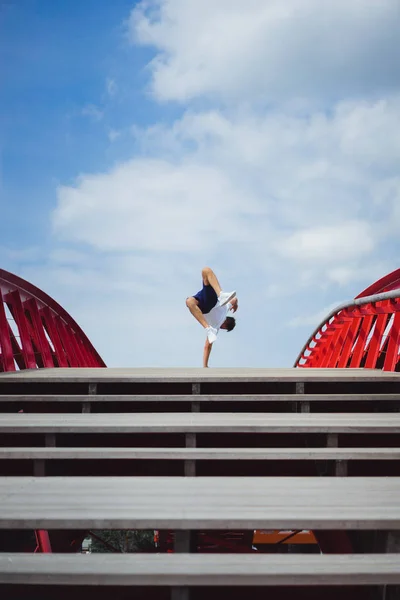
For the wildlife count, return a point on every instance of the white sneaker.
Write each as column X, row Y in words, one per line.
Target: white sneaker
column 225, row 297
column 211, row 334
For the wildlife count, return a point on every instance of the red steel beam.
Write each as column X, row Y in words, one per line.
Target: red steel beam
column 43, row 541
column 44, row 346
column 49, row 322
column 392, row 352
column 375, row 342
column 66, row 342
column 7, row 358
column 358, row 350
column 14, row 304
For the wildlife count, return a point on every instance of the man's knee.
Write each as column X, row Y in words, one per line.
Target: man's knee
column 206, row 272
column 190, row 302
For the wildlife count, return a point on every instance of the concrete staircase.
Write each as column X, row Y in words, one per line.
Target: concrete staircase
column 240, row 472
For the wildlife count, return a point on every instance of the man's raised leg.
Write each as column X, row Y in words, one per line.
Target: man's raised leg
column 210, row 278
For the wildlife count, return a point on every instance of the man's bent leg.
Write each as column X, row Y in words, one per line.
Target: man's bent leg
column 193, row 306
column 210, row 278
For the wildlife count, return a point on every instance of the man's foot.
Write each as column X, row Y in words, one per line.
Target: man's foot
column 211, row 334
column 225, row 297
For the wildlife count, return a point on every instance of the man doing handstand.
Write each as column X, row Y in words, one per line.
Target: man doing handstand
column 210, row 307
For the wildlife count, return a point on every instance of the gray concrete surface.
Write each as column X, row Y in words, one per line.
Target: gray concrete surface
column 205, row 398
column 200, row 502
column 200, row 453
column 200, row 423
column 199, row 569
column 197, row 375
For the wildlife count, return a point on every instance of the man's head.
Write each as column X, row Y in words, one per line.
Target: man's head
column 229, row 324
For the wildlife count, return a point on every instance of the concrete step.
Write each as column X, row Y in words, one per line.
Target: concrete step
column 336, row 503
column 199, row 569
column 117, row 423
column 213, row 454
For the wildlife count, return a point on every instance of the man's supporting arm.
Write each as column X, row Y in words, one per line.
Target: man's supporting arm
column 206, row 353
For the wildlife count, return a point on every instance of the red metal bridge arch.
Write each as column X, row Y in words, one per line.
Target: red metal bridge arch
column 362, row 333
column 36, row 332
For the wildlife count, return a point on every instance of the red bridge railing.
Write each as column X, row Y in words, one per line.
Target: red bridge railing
column 36, row 332
column 362, row 333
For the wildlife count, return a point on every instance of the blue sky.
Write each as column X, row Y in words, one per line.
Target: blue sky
column 141, row 141
column 56, row 59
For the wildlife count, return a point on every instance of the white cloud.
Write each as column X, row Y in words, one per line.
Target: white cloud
column 329, row 244
column 27, row 254
column 93, row 112
column 67, row 256
column 311, row 321
column 269, row 50
column 114, row 134
column 111, row 86
column 153, row 205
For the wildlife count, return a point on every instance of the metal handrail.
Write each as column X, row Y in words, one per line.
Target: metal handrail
column 349, row 304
